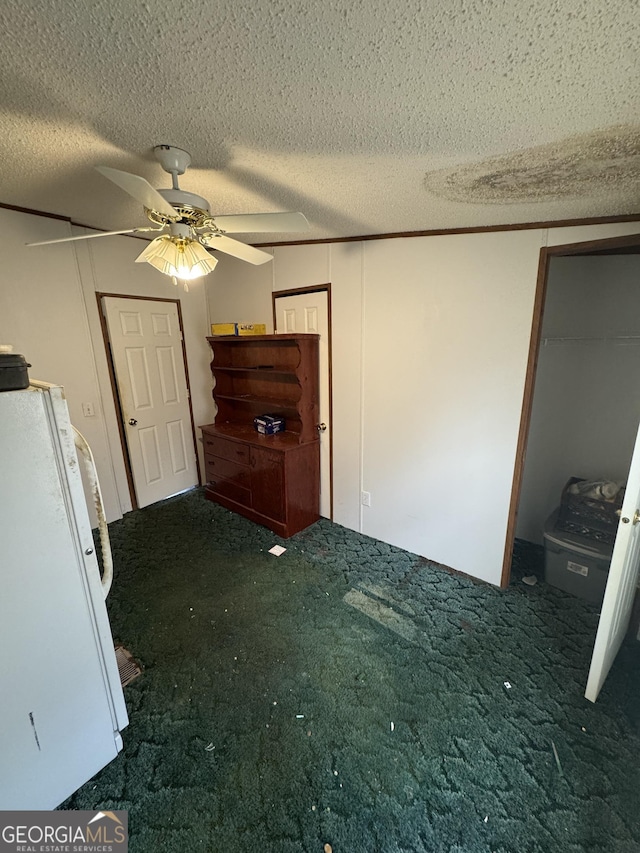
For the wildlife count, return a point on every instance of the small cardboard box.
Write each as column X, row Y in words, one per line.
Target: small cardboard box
column 251, row 329
column 269, row 424
column 239, row 329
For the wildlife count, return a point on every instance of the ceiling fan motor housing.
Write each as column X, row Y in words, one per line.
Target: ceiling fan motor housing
column 181, row 198
column 189, row 208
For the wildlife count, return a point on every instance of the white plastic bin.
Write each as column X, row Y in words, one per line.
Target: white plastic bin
column 575, row 563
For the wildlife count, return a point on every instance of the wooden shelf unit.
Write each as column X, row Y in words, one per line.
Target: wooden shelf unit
column 271, row 479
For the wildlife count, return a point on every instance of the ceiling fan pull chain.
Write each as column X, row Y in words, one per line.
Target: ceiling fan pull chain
column 184, row 283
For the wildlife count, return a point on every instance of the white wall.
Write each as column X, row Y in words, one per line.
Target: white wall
column 246, row 294
column 346, row 274
column 585, row 411
column 430, row 345
column 446, row 331
column 49, row 312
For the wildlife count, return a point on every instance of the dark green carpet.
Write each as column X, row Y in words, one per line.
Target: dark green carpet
column 236, row 644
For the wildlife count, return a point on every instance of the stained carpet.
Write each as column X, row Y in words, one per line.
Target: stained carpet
column 352, row 694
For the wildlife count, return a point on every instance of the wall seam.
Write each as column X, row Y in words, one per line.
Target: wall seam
column 362, row 394
column 94, row 366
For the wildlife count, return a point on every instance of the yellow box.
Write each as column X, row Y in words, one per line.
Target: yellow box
column 239, row 329
column 223, row 329
column 251, row 329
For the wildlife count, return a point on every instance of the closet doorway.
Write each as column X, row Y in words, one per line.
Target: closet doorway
column 585, row 413
column 581, row 410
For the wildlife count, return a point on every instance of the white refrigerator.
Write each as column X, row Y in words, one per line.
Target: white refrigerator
column 61, row 703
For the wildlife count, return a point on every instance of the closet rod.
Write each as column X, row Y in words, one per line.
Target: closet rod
column 627, row 338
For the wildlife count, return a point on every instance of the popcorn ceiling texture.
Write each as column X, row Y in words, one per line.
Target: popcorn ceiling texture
column 513, row 111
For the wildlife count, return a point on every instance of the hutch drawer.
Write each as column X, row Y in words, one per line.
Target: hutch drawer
column 226, row 449
column 223, row 469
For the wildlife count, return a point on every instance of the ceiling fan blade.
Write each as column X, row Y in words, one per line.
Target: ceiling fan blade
column 140, row 189
column 236, row 248
column 252, row 223
column 88, row 236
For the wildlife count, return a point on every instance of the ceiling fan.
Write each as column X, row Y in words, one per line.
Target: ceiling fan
column 185, row 224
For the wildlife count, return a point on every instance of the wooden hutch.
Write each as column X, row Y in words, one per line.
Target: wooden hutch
column 273, row 480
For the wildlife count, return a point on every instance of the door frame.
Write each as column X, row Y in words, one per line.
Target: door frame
column 300, row 291
column 546, row 254
column 116, row 394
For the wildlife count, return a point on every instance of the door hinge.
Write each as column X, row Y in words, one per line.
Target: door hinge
column 188, row 394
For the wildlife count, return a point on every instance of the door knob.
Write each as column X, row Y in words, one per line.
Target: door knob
column 132, row 422
column 321, row 427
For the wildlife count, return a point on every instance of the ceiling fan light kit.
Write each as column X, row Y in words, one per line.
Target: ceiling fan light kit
column 179, row 257
column 182, row 253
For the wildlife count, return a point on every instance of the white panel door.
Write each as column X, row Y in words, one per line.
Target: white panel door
column 309, row 312
column 146, row 345
column 621, row 584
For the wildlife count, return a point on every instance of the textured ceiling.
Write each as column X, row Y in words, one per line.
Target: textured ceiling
column 369, row 117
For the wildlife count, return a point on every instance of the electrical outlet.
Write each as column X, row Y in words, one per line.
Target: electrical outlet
column 365, row 498
column 87, row 410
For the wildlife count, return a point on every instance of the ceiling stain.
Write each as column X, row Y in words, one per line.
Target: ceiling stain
column 586, row 165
